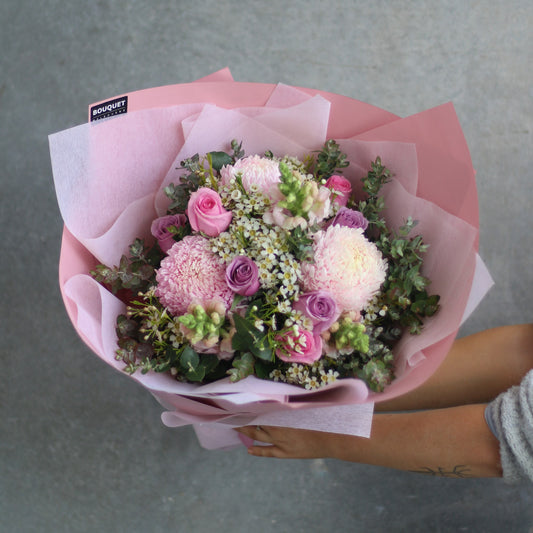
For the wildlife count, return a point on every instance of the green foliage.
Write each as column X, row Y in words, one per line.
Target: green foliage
column 178, row 233
column 195, row 367
column 404, row 297
column 135, row 272
column 132, row 348
column 243, row 366
column 377, row 176
column 262, row 368
column 237, row 151
column 373, row 205
column 219, row 159
column 404, row 293
column 375, row 366
column 179, row 194
column 376, row 374
column 186, row 363
column 198, row 175
column 300, row 244
column 249, row 338
column 329, row 160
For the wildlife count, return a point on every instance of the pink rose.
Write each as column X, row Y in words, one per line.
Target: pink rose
column 303, row 347
column 206, row 213
column 160, row 230
column 341, row 188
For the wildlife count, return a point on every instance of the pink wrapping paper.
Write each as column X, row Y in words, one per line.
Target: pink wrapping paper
column 109, row 174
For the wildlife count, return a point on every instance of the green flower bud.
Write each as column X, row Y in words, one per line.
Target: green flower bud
column 215, row 318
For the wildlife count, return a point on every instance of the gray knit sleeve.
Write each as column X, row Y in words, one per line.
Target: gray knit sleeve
column 510, row 417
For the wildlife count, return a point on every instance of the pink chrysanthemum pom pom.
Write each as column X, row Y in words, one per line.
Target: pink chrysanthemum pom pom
column 347, row 265
column 191, row 273
column 258, row 173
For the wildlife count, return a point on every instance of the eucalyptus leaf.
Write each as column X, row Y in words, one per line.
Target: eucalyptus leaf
column 189, row 359
column 243, row 367
column 209, row 361
column 198, row 374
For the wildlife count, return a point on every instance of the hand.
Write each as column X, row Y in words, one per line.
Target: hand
column 287, row 443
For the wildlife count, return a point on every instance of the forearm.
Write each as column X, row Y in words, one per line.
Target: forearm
column 477, row 369
column 453, row 442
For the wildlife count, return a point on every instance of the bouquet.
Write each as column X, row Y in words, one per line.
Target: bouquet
column 267, row 329
column 263, row 266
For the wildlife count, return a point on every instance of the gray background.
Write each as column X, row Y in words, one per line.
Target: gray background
column 81, row 446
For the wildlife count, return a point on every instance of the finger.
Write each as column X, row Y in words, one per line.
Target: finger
column 245, row 430
column 258, row 433
column 266, row 451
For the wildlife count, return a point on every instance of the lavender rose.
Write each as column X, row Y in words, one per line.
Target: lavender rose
column 350, row 218
column 160, row 230
column 320, row 307
column 206, row 213
column 242, row 276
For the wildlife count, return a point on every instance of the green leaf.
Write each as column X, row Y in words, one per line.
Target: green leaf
column 397, row 248
column 236, row 300
column 243, row 367
column 248, row 338
column 137, row 248
column 238, row 152
column 426, row 306
column 263, row 368
column 190, row 362
column 300, row 245
column 189, row 359
column 329, row 159
column 209, row 361
column 197, row 374
column 219, row 159
column 126, row 327
column 432, row 305
column 407, row 227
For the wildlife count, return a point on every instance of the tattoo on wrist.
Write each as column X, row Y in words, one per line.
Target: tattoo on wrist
column 458, row 471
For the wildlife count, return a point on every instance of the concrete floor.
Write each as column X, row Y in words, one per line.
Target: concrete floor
column 82, row 448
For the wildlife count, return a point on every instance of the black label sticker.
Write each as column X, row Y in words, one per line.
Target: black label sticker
column 117, row 106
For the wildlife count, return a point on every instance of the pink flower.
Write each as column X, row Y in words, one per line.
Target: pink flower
column 192, row 273
column 160, row 226
column 282, row 218
column 341, row 187
column 321, row 204
column 350, row 218
column 347, row 265
column 302, row 347
column 242, row 276
column 206, row 213
column 226, row 351
column 320, row 307
column 259, row 173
